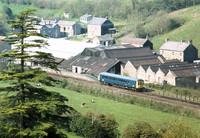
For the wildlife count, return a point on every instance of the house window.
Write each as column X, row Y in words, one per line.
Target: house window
column 172, row 53
column 162, row 52
column 64, row 28
column 180, row 54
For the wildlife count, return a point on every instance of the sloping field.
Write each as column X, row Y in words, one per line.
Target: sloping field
column 190, row 30
column 124, row 113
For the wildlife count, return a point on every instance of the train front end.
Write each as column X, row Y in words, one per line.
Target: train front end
column 140, row 85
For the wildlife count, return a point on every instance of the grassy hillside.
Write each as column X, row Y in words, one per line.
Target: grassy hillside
column 189, row 31
column 124, row 113
column 42, row 13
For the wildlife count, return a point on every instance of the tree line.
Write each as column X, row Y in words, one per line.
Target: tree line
column 28, row 110
column 112, row 8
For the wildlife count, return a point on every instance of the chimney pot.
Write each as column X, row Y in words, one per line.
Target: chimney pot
column 190, row 42
column 167, row 39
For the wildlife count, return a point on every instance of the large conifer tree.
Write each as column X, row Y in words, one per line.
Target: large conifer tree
column 27, row 110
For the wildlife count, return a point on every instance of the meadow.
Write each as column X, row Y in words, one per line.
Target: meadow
column 124, row 113
column 188, row 31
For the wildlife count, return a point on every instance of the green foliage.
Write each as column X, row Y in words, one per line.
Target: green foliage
column 28, row 111
column 134, row 100
column 64, row 83
column 7, row 12
column 108, row 122
column 84, row 126
column 140, row 129
column 179, row 129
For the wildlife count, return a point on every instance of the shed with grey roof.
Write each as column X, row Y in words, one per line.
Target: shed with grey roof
column 103, row 40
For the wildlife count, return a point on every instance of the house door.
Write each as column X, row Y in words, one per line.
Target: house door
column 149, row 78
column 76, row 70
column 159, row 80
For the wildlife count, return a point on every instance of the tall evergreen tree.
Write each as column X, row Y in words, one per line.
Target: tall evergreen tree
column 27, row 110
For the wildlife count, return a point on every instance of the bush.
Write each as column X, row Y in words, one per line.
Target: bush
column 179, row 129
column 85, row 127
column 140, row 129
column 64, row 83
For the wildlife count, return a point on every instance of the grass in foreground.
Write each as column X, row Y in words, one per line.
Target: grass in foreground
column 124, row 113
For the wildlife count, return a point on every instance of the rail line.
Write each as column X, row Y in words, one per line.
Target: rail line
column 147, row 95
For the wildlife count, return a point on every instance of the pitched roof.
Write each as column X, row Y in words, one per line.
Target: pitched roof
column 97, row 21
column 67, row 23
column 43, row 22
column 145, row 60
column 127, row 52
column 136, row 41
column 94, row 65
column 86, row 15
column 174, row 46
column 104, row 38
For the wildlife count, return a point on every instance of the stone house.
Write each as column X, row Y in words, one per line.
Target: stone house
column 49, row 28
column 69, row 28
column 86, row 18
column 184, row 52
column 103, row 40
column 138, row 42
column 99, row 26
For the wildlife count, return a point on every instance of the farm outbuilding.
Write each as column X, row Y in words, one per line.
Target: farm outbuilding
column 138, row 42
column 91, row 65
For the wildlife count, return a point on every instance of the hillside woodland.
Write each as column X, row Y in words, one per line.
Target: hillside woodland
column 137, row 12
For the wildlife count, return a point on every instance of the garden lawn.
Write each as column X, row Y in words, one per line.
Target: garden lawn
column 124, row 113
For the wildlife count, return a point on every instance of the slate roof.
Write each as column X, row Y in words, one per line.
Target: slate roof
column 97, row 21
column 174, row 46
column 136, row 41
column 183, row 73
column 43, row 22
column 104, row 38
column 126, row 53
column 66, row 23
column 94, row 65
column 145, row 60
column 86, row 15
column 179, row 68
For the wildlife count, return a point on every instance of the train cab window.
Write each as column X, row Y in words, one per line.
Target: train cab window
column 140, row 82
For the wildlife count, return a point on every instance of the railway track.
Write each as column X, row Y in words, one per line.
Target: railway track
column 146, row 95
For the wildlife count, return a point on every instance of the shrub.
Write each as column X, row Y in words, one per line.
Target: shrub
column 140, row 129
column 179, row 129
column 85, row 127
column 64, row 83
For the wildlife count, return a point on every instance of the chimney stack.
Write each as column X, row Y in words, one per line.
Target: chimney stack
column 147, row 37
column 182, row 41
column 166, row 40
column 190, row 42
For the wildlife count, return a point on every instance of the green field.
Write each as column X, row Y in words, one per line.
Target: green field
column 124, row 113
column 188, row 31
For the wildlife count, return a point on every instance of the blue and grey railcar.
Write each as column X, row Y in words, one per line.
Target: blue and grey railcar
column 127, row 82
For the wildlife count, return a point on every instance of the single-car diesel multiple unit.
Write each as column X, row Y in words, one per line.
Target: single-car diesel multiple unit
column 119, row 80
